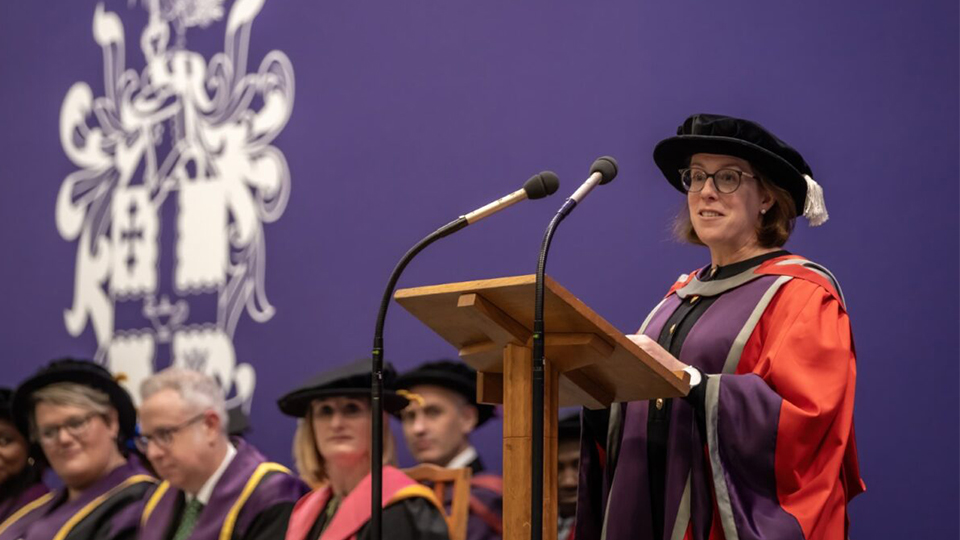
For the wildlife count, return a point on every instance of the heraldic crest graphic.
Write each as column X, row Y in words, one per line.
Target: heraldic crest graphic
column 176, row 177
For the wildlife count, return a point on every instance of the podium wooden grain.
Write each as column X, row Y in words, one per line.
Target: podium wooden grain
column 588, row 363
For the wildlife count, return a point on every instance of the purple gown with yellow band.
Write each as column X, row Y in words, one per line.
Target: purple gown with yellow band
column 107, row 510
column 251, row 501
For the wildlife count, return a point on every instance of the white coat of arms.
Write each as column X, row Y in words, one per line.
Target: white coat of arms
column 176, row 177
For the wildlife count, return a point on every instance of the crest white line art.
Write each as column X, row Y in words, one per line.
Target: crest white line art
column 183, row 137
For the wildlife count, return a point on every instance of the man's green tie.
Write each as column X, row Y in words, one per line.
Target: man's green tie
column 190, row 514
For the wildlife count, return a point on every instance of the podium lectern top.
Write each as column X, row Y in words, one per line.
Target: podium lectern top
column 598, row 364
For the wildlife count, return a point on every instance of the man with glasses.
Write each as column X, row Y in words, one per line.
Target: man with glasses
column 214, row 487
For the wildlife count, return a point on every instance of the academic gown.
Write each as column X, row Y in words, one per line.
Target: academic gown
column 485, row 521
column 764, row 447
column 19, row 491
column 107, row 510
column 410, row 512
column 252, row 500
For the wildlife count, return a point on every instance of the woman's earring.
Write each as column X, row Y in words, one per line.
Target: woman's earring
column 763, row 210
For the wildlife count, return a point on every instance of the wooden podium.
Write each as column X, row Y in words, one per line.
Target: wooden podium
column 588, row 362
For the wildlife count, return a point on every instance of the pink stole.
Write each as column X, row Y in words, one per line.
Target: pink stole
column 354, row 511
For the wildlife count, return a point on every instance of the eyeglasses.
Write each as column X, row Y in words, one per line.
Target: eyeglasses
column 163, row 437
column 75, row 426
column 725, row 180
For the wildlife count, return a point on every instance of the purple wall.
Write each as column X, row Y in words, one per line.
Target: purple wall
column 408, row 114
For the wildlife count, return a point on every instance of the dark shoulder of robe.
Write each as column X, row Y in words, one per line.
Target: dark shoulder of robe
column 20, row 490
column 485, row 521
column 414, row 518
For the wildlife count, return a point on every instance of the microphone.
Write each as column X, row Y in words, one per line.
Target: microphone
column 537, row 187
column 603, row 171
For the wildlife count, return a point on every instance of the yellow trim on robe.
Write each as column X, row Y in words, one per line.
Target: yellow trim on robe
column 27, row 508
column 153, row 502
column 416, row 490
column 231, row 521
column 92, row 505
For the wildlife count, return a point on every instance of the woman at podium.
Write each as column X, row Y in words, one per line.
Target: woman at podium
column 763, row 446
column 332, row 453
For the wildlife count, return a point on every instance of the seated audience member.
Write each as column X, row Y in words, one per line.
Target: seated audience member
column 332, row 451
column 213, row 487
column 20, row 470
column 437, row 424
column 82, row 420
column 568, row 474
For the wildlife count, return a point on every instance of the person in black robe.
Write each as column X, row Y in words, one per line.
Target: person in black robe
column 568, row 475
column 332, row 452
column 437, row 424
column 83, row 421
column 20, row 464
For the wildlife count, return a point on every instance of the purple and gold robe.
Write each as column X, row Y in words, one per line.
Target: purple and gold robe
column 252, row 500
column 772, row 452
column 107, row 510
column 22, row 497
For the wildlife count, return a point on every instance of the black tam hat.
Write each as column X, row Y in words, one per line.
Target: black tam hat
column 352, row 379
column 451, row 375
column 85, row 372
column 6, row 404
column 568, row 428
column 725, row 135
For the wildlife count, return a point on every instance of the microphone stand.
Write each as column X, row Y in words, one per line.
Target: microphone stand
column 536, row 492
column 538, row 186
column 376, row 383
column 602, row 171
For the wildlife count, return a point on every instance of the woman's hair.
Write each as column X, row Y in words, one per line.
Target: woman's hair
column 67, row 394
column 310, row 464
column 775, row 226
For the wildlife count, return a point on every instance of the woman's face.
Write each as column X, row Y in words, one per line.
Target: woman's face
column 79, row 444
column 13, row 451
column 726, row 221
column 342, row 428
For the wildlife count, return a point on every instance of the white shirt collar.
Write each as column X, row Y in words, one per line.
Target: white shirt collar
column 206, row 491
column 463, row 459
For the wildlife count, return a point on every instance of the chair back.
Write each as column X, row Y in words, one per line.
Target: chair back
column 456, row 483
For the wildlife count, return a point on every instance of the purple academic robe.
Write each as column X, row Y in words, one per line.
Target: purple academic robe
column 11, row 505
column 107, row 510
column 252, row 500
column 485, row 521
column 774, row 455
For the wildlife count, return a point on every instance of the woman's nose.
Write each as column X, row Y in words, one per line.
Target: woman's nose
column 709, row 189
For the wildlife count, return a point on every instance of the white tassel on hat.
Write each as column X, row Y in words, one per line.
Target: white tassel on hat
column 814, row 208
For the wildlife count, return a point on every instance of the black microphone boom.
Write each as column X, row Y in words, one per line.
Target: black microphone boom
column 602, row 171
column 537, row 187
